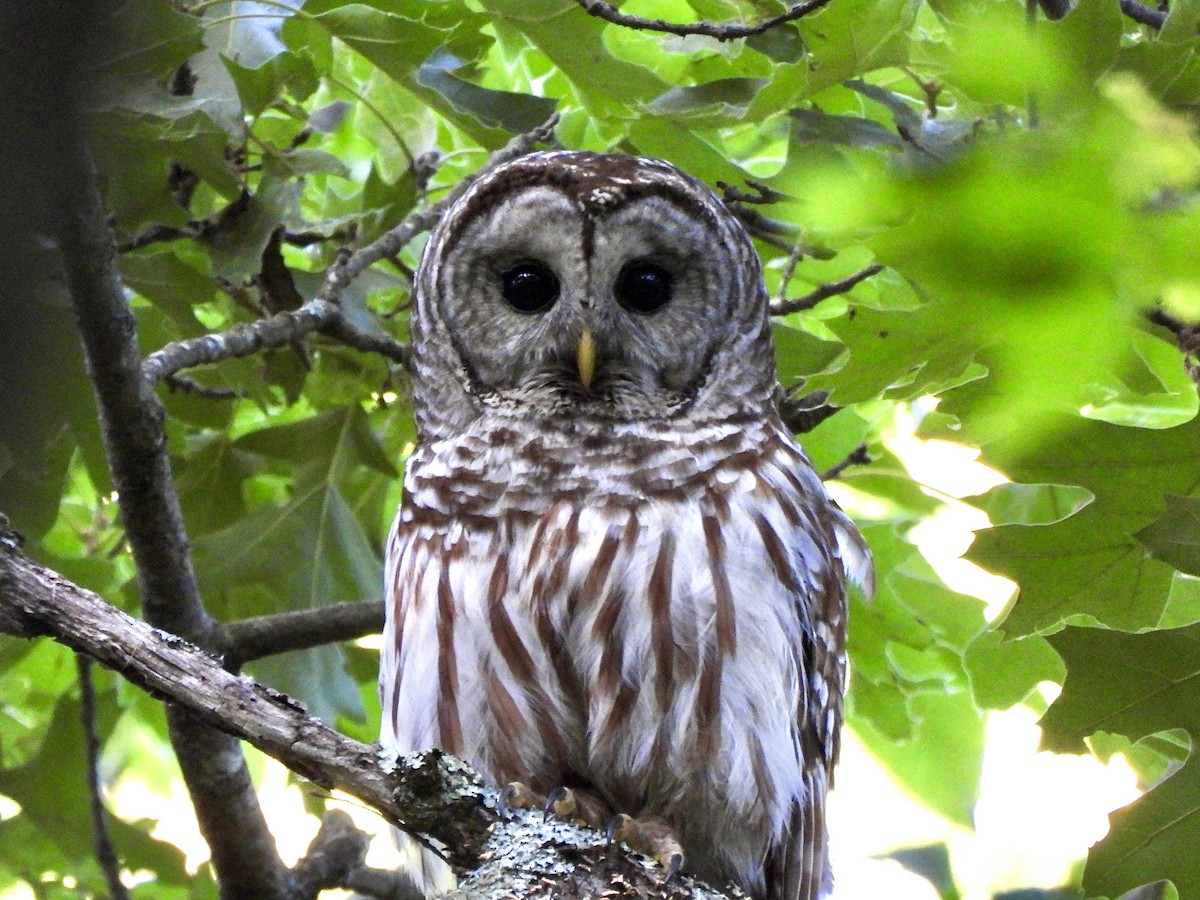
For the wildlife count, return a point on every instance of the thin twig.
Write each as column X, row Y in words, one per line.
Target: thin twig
column 789, row 269
column 722, row 32
column 155, row 234
column 1160, row 316
column 106, row 853
column 856, row 457
column 1144, row 15
column 825, row 291
column 186, row 385
column 250, row 639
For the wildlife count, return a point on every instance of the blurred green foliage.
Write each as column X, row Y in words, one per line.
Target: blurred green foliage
column 1031, row 187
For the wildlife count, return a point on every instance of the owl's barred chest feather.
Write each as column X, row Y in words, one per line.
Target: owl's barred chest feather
column 652, row 612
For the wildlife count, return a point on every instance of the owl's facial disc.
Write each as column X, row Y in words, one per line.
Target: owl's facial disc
column 593, row 284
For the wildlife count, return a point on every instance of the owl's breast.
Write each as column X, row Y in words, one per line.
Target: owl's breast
column 501, row 468
column 672, row 637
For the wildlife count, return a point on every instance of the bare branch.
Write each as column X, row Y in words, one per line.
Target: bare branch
column 132, row 418
column 825, row 291
column 241, row 340
column 250, row 639
column 106, row 854
column 722, row 32
column 384, row 884
column 338, row 849
column 1144, row 15
column 427, row 793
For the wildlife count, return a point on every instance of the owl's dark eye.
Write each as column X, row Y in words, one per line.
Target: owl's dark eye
column 529, row 287
column 643, row 287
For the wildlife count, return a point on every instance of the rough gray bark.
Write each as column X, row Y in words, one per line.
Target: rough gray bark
column 131, row 417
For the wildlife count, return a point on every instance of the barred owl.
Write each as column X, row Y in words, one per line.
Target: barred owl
column 613, row 568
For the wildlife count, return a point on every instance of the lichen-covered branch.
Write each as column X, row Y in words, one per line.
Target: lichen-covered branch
column 722, row 32
column 430, row 793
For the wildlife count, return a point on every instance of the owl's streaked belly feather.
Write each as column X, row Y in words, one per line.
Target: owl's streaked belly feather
column 651, row 636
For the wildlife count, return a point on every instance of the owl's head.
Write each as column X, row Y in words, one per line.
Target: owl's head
column 603, row 287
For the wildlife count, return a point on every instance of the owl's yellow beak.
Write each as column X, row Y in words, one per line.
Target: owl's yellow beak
column 585, row 357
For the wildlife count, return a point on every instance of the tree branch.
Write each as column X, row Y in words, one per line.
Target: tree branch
column 338, row 849
column 106, row 854
column 856, row 457
column 722, row 32
column 795, row 304
column 1143, row 14
column 131, row 417
column 250, row 639
column 244, row 339
column 426, row 793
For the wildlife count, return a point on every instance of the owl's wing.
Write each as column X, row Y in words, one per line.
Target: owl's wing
column 797, row 868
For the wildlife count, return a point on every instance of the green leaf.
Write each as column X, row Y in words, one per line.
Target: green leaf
column 170, row 284
column 306, row 553
column 940, row 763
column 1132, row 684
column 1136, row 685
column 1091, row 564
column 497, row 109
column 572, row 41
column 1174, row 537
column 1003, row 672
column 236, row 243
column 51, row 790
column 1031, row 504
column 153, row 38
column 852, row 131
column 327, row 444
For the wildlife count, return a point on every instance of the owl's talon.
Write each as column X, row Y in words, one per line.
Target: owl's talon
column 516, row 795
column 562, row 802
column 674, row 864
column 651, row 837
column 617, row 828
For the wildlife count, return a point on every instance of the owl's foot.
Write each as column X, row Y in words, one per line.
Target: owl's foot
column 577, row 805
column 569, row 804
column 518, row 795
column 650, row 836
